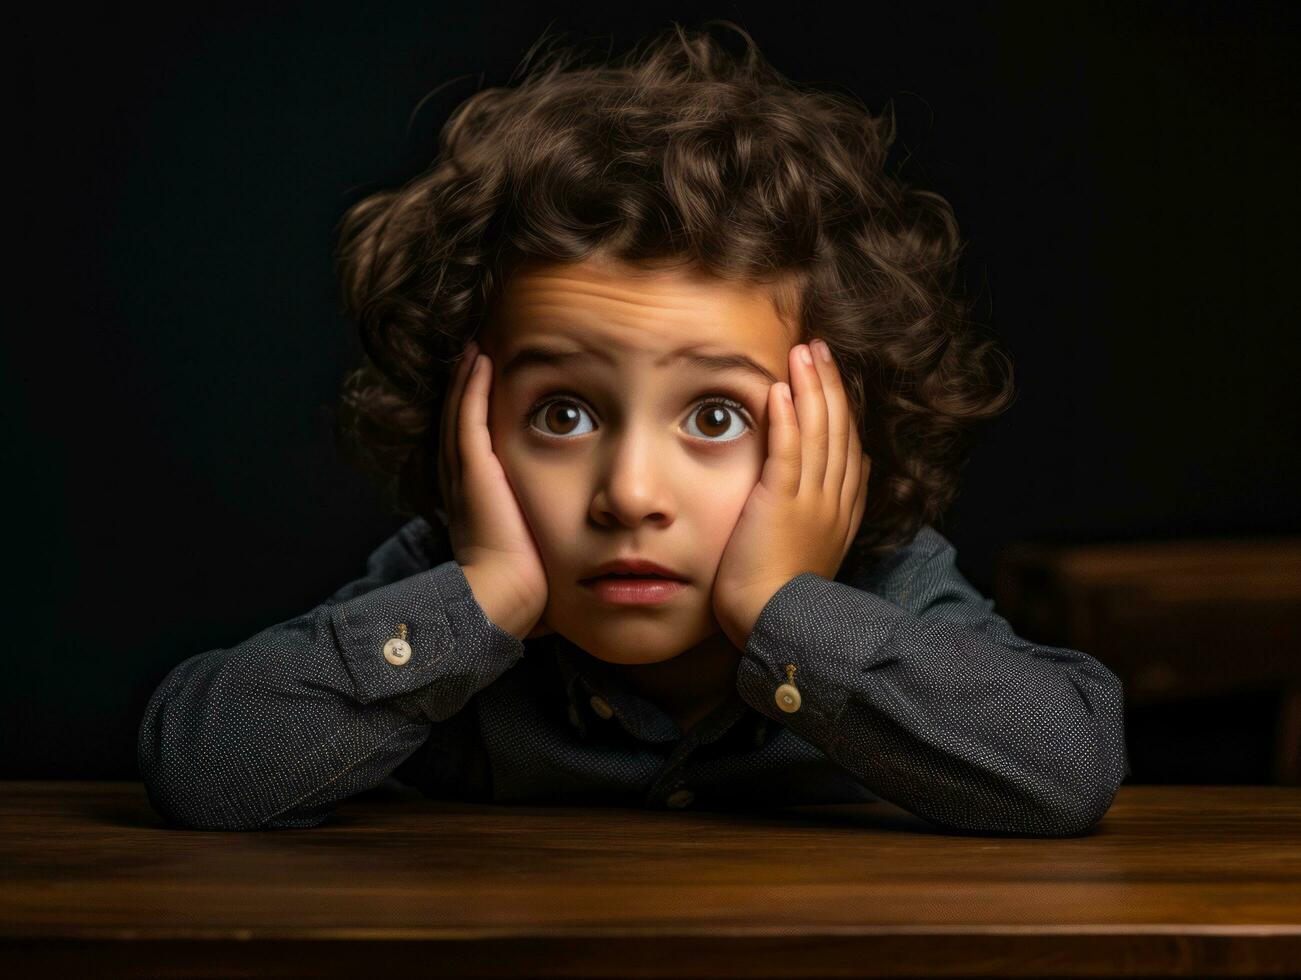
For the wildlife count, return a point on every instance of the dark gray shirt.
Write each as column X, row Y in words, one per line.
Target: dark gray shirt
column 912, row 690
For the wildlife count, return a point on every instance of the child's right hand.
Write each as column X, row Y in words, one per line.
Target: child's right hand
column 487, row 528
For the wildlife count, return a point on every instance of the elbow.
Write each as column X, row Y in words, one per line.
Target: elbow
column 187, row 804
column 183, row 810
column 1097, row 764
column 190, row 792
column 213, row 791
column 1090, row 794
column 1080, row 817
column 179, row 784
column 180, row 811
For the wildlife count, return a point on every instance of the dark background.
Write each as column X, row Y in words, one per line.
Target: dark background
column 1125, row 175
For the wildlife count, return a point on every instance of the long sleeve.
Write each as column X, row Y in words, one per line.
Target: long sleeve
column 277, row 730
column 915, row 687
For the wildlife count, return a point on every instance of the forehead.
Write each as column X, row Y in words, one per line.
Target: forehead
column 637, row 313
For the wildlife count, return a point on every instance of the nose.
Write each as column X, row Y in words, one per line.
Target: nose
column 632, row 484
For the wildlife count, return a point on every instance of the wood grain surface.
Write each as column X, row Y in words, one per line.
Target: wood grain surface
column 1175, row 881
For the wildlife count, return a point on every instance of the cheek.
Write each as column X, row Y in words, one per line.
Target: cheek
column 714, row 513
column 500, row 423
column 543, row 493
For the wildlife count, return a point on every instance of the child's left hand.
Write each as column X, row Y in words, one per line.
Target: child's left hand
column 805, row 510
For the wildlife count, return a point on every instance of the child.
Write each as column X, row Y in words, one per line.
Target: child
column 644, row 254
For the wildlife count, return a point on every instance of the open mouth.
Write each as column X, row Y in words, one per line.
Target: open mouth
column 633, row 576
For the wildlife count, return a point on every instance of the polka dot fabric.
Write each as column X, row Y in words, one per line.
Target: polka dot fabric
column 912, row 690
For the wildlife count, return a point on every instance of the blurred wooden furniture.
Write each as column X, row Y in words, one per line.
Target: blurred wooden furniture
column 1172, row 619
column 1175, row 880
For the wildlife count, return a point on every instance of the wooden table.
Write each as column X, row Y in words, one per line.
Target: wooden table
column 1175, row 880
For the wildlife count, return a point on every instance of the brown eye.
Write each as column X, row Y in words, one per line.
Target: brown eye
column 714, row 420
column 559, row 417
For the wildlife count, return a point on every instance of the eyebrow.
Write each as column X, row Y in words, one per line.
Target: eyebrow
column 538, row 355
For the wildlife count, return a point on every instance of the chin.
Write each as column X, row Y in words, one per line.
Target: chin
column 634, row 643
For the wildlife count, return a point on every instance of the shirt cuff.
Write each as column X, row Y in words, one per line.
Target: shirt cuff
column 452, row 641
column 790, row 630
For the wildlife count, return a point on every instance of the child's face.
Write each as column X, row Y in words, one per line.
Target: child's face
column 632, row 457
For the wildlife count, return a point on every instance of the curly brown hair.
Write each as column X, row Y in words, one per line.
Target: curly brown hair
column 677, row 152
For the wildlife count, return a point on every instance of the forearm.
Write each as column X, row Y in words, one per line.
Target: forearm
column 278, row 729
column 962, row 723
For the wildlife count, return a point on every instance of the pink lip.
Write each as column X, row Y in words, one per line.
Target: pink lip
column 634, row 591
column 634, row 566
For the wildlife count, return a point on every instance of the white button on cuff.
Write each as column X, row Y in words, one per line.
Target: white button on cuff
column 788, row 695
column 397, row 651
column 788, row 698
column 600, row 706
column 680, row 798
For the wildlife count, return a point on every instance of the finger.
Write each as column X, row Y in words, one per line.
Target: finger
column 445, row 431
column 811, row 413
column 781, row 470
column 859, row 505
column 860, row 502
column 855, row 460
column 849, row 486
column 838, row 420
column 451, row 411
column 472, row 439
column 452, row 406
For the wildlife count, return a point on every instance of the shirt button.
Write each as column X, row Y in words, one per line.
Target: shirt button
column 397, row 651
column 681, row 798
column 600, row 706
column 788, row 698
column 788, row 695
